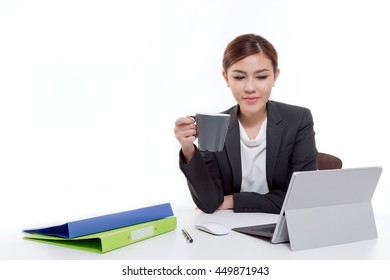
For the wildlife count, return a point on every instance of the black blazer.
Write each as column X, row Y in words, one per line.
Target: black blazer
column 290, row 147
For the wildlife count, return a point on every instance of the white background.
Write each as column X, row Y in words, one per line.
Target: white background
column 90, row 90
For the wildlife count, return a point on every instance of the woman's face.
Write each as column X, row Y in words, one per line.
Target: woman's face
column 251, row 80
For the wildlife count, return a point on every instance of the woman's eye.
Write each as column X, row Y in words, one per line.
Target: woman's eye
column 239, row 78
column 262, row 77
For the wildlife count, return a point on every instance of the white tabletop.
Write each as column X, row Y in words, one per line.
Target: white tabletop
column 173, row 245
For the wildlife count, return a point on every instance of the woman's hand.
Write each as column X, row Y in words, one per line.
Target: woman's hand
column 228, row 203
column 185, row 133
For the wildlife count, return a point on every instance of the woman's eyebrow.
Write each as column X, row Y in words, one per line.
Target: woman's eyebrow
column 258, row 71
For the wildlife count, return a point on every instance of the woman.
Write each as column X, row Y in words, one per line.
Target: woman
column 266, row 142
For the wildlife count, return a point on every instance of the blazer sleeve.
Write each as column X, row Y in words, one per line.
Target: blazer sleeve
column 254, row 202
column 203, row 180
column 302, row 157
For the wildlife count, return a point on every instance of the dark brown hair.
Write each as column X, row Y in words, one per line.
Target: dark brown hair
column 246, row 45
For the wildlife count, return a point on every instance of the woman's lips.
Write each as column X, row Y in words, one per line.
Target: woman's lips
column 251, row 99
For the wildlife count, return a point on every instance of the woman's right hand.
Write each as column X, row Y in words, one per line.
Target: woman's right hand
column 185, row 133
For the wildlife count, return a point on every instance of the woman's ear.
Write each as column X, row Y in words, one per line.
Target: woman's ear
column 276, row 75
column 225, row 76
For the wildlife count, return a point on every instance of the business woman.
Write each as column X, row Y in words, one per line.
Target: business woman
column 266, row 141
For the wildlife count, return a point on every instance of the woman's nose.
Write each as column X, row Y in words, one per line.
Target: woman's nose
column 250, row 86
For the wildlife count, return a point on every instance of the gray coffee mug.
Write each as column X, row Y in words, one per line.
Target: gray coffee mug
column 211, row 130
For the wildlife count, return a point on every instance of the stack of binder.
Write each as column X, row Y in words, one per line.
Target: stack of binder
column 106, row 233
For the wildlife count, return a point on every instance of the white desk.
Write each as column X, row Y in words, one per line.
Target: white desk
column 173, row 246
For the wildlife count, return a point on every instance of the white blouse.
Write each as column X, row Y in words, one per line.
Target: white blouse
column 253, row 154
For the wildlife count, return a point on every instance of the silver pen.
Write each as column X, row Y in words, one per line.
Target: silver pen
column 187, row 236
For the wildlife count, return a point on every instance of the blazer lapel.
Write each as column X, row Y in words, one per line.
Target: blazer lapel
column 274, row 136
column 232, row 141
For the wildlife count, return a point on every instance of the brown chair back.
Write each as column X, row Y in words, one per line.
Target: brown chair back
column 327, row 161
